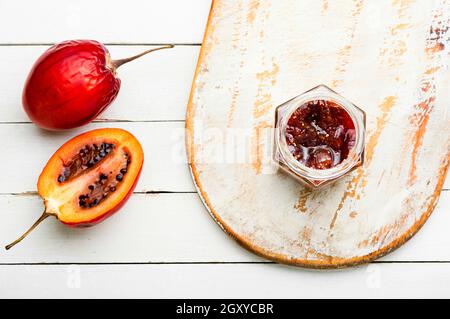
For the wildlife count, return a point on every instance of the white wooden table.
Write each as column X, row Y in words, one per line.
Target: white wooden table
column 163, row 244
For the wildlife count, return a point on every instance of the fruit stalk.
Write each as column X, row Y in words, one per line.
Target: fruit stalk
column 115, row 64
column 18, row 240
column 72, row 83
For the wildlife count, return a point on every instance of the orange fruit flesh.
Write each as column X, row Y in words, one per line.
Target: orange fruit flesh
column 64, row 199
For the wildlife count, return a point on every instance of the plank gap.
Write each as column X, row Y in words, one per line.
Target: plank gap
column 205, row 263
column 103, row 121
column 35, row 193
column 19, row 44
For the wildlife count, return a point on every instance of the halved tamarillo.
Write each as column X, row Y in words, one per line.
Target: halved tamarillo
column 89, row 178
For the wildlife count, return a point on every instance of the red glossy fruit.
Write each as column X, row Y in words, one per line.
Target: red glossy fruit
column 89, row 178
column 72, row 83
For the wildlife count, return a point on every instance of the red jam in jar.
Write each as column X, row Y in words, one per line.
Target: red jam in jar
column 320, row 134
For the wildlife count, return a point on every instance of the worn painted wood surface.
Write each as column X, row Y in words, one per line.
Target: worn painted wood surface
column 108, row 21
column 221, row 281
column 155, row 89
column 137, row 252
column 163, row 142
column 390, row 57
column 165, row 228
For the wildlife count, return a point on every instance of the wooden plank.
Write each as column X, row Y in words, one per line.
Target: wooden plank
column 223, row 281
column 29, row 148
column 150, row 228
column 390, row 58
column 149, row 21
column 166, row 228
column 155, row 87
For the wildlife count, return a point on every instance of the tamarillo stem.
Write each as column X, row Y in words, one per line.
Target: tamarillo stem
column 40, row 219
column 114, row 64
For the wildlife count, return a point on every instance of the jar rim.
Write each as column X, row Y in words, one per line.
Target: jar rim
column 320, row 92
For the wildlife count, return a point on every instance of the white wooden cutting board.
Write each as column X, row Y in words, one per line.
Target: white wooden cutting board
column 390, row 57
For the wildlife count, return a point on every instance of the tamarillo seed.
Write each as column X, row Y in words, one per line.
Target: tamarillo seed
column 88, row 157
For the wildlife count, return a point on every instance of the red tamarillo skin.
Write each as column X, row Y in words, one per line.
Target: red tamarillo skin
column 71, row 84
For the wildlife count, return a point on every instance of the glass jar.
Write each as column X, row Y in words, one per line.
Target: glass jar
column 311, row 176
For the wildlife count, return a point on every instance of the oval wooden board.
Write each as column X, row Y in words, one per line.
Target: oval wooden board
column 390, row 58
